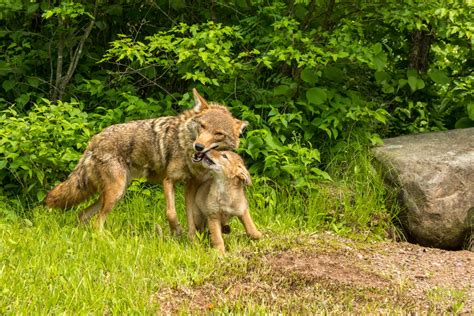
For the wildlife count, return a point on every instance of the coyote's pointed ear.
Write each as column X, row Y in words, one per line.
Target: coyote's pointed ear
column 241, row 125
column 244, row 175
column 200, row 104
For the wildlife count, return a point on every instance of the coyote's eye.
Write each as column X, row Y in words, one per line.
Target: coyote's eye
column 225, row 156
column 202, row 126
column 219, row 134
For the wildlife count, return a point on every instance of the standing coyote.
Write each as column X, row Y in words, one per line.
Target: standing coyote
column 223, row 196
column 165, row 149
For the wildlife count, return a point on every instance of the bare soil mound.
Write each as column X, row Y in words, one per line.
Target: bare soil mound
column 327, row 273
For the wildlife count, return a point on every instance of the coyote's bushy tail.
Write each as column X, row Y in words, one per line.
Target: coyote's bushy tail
column 74, row 190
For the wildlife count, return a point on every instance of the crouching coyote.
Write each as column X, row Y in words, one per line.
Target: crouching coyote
column 165, row 149
column 223, row 196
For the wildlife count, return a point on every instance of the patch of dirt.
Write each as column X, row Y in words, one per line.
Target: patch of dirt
column 327, row 273
column 324, row 267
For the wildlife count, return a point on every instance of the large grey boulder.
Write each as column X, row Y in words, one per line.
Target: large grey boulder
column 435, row 175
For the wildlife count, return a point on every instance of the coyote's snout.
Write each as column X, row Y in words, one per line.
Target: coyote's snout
column 160, row 150
column 223, row 196
column 213, row 133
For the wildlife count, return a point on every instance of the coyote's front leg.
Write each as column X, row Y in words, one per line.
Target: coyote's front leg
column 190, row 198
column 249, row 226
column 214, row 225
column 168, row 188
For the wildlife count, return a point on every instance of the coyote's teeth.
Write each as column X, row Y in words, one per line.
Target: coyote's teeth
column 197, row 157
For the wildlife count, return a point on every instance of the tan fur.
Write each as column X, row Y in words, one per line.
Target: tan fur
column 223, row 196
column 157, row 149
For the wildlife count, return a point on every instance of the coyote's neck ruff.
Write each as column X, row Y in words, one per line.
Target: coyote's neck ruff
column 163, row 150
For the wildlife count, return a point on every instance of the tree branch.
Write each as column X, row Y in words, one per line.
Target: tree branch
column 76, row 56
column 309, row 17
column 327, row 17
column 59, row 63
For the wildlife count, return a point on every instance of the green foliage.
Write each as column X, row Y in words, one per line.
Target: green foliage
column 36, row 149
column 200, row 53
column 425, row 91
column 295, row 113
column 39, row 149
column 307, row 75
column 66, row 10
column 110, row 105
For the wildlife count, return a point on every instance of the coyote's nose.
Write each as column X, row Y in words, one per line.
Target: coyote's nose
column 198, row 147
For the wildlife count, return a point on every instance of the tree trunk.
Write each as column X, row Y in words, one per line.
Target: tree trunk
column 62, row 80
column 421, row 44
column 59, row 63
column 327, row 23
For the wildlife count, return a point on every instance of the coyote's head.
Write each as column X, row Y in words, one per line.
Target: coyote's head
column 226, row 165
column 213, row 127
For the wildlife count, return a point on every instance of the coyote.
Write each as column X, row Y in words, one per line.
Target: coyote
column 223, row 196
column 165, row 149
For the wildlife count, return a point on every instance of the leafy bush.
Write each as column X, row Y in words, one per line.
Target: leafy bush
column 37, row 149
column 295, row 112
column 306, row 74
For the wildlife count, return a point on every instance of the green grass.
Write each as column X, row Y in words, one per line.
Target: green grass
column 50, row 264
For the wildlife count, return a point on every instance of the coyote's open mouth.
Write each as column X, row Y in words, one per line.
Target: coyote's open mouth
column 200, row 156
column 197, row 157
column 208, row 160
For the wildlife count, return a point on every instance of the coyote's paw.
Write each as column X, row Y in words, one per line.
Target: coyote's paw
column 178, row 231
column 256, row 235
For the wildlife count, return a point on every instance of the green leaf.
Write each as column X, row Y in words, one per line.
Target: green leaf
column 22, row 100
column 439, row 76
column 387, row 88
column 464, row 122
column 272, row 141
column 33, row 81
column 412, row 73
column 101, row 25
column 177, row 4
column 334, row 73
column 32, row 7
column 470, row 111
column 377, row 48
column 415, row 83
column 316, row 95
column 381, row 115
column 254, row 143
column 281, row 90
column 401, row 83
column 48, row 14
column 420, row 84
column 241, row 4
column 149, row 72
column 381, row 76
column 40, row 195
column 7, row 85
column 380, row 61
column 309, row 75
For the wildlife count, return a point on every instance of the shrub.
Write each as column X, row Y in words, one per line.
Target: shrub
column 37, row 149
